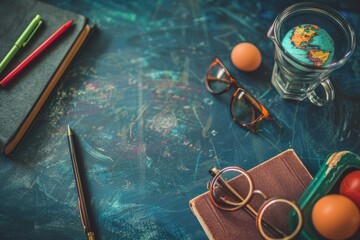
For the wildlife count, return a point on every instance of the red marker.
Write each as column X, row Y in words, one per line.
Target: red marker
column 36, row 53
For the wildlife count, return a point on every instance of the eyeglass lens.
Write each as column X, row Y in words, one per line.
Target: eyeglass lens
column 242, row 109
column 278, row 215
column 218, row 78
column 227, row 198
column 245, row 109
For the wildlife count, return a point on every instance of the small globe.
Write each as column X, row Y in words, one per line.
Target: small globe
column 309, row 44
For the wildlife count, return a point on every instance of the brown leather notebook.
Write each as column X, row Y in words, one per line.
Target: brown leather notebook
column 282, row 176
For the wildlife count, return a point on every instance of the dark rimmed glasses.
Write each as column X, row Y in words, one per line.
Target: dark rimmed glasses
column 245, row 109
column 226, row 192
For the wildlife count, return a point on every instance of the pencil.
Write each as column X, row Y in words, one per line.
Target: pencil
column 81, row 200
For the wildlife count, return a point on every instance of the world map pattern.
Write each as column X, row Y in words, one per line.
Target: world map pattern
column 309, row 44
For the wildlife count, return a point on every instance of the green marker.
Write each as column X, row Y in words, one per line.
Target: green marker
column 22, row 41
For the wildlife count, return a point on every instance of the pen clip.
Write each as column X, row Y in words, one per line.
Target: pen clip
column 33, row 31
column 81, row 215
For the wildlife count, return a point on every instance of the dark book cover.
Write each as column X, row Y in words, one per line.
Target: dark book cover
column 282, row 176
column 22, row 99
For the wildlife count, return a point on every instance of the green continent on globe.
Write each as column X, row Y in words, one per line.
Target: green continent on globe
column 303, row 34
column 309, row 44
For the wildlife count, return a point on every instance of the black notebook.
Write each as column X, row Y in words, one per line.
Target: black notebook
column 22, row 99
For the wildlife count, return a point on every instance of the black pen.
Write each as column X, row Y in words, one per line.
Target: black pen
column 81, row 200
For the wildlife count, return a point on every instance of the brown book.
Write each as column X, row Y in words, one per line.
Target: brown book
column 282, row 176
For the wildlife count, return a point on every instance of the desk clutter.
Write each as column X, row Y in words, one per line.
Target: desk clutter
column 147, row 122
column 301, row 51
column 325, row 213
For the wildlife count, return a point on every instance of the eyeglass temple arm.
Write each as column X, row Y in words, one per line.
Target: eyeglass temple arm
column 248, row 208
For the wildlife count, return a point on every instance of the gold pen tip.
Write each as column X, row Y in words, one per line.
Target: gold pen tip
column 69, row 130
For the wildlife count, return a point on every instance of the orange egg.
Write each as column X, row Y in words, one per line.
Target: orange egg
column 335, row 217
column 246, row 57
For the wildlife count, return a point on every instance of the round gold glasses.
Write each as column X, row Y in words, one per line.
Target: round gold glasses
column 226, row 190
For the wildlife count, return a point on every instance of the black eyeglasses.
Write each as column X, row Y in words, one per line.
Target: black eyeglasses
column 245, row 109
column 225, row 193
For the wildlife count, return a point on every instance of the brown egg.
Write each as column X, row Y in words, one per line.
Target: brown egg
column 335, row 217
column 246, row 57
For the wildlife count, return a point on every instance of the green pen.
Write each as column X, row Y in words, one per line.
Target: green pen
column 22, row 41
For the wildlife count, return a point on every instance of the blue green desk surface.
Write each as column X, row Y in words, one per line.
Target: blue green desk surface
column 148, row 128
